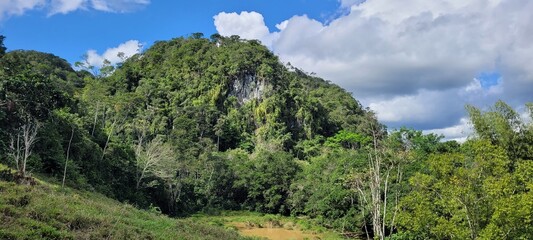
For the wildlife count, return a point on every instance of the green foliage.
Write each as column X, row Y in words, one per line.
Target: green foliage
column 465, row 194
column 41, row 86
column 234, row 88
column 45, row 211
column 265, row 180
column 206, row 96
column 239, row 130
column 503, row 127
column 2, row 47
column 348, row 140
column 322, row 190
column 332, row 186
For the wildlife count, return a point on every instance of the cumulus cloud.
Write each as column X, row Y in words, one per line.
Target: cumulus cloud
column 118, row 5
column 349, row 3
column 65, row 6
column 248, row 25
column 458, row 132
column 19, row 7
column 430, row 109
column 414, row 61
column 114, row 55
column 415, row 109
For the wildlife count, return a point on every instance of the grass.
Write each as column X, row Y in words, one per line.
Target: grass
column 259, row 220
column 46, row 211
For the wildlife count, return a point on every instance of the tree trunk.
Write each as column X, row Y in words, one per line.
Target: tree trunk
column 95, row 118
column 66, row 160
column 29, row 135
column 108, row 138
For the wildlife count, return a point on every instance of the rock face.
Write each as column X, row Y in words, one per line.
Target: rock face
column 247, row 88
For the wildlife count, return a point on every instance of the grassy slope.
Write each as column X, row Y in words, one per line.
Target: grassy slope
column 46, row 211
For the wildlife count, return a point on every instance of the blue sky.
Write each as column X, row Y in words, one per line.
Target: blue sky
column 71, row 35
column 416, row 63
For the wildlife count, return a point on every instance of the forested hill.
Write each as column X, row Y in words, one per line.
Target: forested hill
column 162, row 121
column 206, row 125
column 237, row 92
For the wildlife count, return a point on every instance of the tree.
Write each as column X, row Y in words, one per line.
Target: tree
column 197, row 35
column 21, row 145
column 502, row 126
column 150, row 156
column 348, row 140
column 385, row 168
column 266, row 179
column 107, row 68
column 85, row 65
column 321, row 191
column 512, row 197
column 453, row 200
column 66, row 159
column 2, row 47
column 169, row 171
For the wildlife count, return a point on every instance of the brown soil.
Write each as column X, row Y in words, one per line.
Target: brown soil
column 273, row 233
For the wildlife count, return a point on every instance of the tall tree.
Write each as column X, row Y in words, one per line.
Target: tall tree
column 502, row 126
column 149, row 156
column 375, row 184
column 21, row 145
column 452, row 199
column 66, row 159
column 2, row 47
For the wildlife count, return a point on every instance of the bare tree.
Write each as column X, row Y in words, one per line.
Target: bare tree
column 374, row 187
column 108, row 138
column 16, row 150
column 21, row 146
column 151, row 156
column 119, row 112
column 95, row 117
column 173, row 174
column 66, row 160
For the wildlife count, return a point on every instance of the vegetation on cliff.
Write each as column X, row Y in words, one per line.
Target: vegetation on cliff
column 202, row 125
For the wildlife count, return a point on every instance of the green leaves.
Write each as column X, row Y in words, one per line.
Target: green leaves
column 503, row 127
column 322, row 190
column 348, row 140
column 470, row 194
column 266, row 179
column 33, row 85
column 2, row 47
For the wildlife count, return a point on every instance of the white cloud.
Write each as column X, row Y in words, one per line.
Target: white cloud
column 413, row 61
column 349, row 3
column 66, row 6
column 248, row 25
column 128, row 48
column 525, row 116
column 281, row 26
column 425, row 110
column 459, row 132
column 18, row 7
column 118, row 5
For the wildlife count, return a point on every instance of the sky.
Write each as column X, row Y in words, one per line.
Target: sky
column 416, row 63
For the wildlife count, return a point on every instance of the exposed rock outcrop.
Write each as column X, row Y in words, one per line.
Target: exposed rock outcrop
column 247, row 88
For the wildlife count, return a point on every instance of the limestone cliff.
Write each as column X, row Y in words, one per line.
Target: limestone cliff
column 247, row 88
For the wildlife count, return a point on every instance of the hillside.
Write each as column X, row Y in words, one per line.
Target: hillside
column 46, row 211
column 237, row 91
column 220, row 109
column 206, row 126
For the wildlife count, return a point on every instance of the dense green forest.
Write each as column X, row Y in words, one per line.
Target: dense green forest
column 204, row 125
